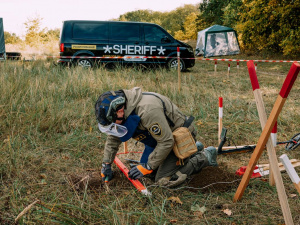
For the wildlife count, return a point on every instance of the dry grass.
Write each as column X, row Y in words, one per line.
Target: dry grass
column 48, row 135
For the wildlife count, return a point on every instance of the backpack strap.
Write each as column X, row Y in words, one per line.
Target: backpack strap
column 188, row 121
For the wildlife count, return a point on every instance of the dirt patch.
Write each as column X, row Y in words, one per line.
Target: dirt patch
column 93, row 180
column 214, row 179
column 210, row 179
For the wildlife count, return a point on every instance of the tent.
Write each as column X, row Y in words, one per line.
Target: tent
column 216, row 41
column 2, row 43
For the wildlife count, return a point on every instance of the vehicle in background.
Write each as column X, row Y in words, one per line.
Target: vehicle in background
column 90, row 43
column 3, row 54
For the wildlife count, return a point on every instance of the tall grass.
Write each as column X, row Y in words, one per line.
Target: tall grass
column 48, row 131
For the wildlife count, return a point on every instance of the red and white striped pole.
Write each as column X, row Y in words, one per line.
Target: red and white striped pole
column 228, row 68
column 274, row 135
column 237, row 64
column 179, row 75
column 215, row 66
column 220, row 118
column 255, row 66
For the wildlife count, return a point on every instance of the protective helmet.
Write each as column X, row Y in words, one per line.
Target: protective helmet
column 107, row 106
column 106, row 113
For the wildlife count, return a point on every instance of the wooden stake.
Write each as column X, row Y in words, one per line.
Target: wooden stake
column 291, row 171
column 220, row 118
column 125, row 147
column 228, row 70
column 215, row 66
column 286, row 87
column 261, row 113
column 179, row 75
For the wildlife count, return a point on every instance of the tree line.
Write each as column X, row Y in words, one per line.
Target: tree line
column 262, row 25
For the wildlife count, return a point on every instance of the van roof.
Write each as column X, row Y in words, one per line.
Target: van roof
column 108, row 21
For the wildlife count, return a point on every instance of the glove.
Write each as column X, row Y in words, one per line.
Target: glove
column 106, row 172
column 139, row 171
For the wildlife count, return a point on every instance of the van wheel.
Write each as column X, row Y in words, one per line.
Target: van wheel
column 173, row 64
column 85, row 63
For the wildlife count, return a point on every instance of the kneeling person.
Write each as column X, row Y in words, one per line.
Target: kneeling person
column 149, row 118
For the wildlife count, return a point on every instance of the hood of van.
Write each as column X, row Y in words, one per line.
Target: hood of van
column 185, row 44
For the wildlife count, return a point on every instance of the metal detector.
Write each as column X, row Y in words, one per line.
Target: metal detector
column 291, row 144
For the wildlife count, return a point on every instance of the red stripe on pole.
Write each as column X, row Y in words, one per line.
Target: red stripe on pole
column 215, row 62
column 252, row 74
column 274, row 130
column 220, row 102
column 289, row 80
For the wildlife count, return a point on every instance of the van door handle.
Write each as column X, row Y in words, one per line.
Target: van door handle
column 136, row 43
column 147, row 43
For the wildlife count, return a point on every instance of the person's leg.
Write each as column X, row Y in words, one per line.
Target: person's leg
column 195, row 164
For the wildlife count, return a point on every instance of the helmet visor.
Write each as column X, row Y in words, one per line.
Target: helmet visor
column 113, row 129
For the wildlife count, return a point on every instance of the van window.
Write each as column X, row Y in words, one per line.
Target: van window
column 125, row 32
column 154, row 34
column 98, row 31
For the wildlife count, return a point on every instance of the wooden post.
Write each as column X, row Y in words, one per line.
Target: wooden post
column 274, row 135
column 285, row 90
column 215, row 66
column 261, row 113
column 291, row 171
column 228, row 70
column 125, row 147
column 220, row 118
column 179, row 75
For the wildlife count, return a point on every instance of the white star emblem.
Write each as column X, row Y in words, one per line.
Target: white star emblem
column 107, row 49
column 161, row 50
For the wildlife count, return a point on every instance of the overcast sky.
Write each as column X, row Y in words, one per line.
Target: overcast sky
column 53, row 12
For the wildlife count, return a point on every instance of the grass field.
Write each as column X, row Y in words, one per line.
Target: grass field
column 51, row 149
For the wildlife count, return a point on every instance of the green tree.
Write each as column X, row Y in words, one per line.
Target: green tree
column 270, row 25
column 11, row 38
column 34, row 34
column 189, row 28
column 231, row 13
column 172, row 21
column 212, row 11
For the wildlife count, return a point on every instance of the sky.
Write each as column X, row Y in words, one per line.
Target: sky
column 16, row 12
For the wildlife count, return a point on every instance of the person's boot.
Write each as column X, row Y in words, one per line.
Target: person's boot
column 211, row 154
column 200, row 148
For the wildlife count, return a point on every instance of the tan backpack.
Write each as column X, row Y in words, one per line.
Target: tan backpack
column 184, row 145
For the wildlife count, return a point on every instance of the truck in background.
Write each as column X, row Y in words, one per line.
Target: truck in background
column 3, row 54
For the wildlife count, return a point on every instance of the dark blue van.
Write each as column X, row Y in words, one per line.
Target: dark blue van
column 89, row 43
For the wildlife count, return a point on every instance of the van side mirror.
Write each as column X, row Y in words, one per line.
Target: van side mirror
column 166, row 39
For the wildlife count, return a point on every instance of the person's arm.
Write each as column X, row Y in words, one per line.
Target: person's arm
column 111, row 148
column 156, row 123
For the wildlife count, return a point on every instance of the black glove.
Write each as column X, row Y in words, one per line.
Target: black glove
column 106, row 172
column 139, row 171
